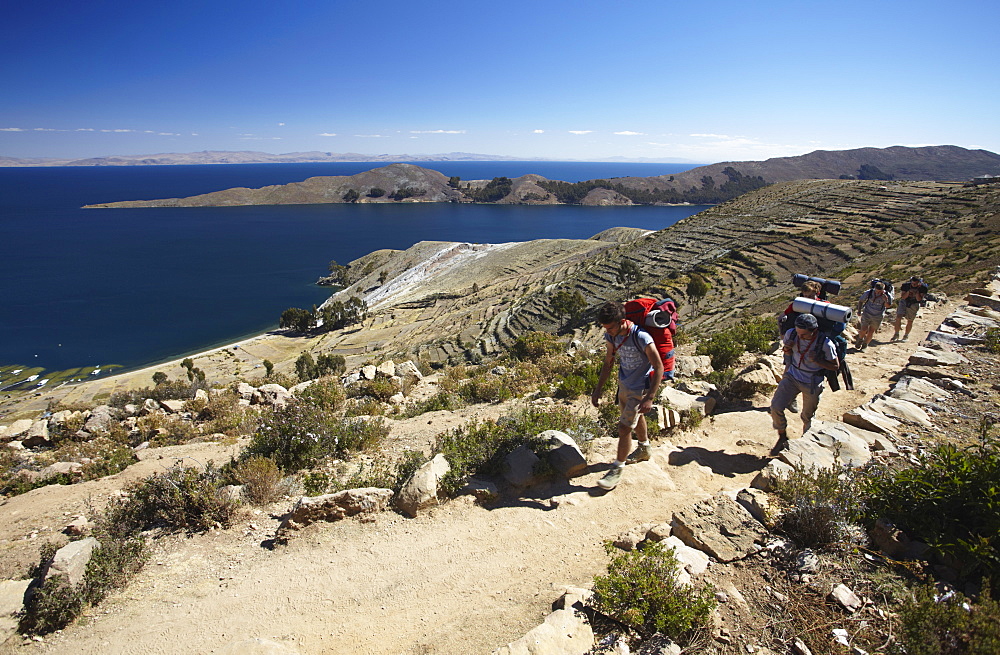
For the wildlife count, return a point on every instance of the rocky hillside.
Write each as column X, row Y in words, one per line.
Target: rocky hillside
column 703, row 185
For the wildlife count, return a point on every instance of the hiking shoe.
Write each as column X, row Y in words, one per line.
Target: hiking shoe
column 781, row 445
column 863, row 347
column 895, row 337
column 640, row 454
column 905, row 337
column 611, row 478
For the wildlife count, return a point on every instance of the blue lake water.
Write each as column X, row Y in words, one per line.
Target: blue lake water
column 136, row 286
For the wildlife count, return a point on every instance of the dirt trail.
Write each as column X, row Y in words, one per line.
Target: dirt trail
column 458, row 579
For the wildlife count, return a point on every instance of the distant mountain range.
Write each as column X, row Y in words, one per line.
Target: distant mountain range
column 250, row 157
column 715, row 183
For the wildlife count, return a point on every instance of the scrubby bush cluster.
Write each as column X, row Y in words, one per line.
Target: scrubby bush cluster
column 298, row 435
column 726, row 346
column 641, row 591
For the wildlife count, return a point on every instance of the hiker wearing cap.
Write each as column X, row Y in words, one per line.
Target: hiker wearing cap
column 808, row 355
column 911, row 296
column 640, row 371
column 871, row 305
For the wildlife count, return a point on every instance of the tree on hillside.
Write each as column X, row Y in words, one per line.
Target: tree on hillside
column 697, row 287
column 351, row 196
column 570, row 304
column 376, row 192
column 297, row 319
column 629, row 274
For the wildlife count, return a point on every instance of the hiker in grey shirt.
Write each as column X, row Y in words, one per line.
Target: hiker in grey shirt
column 808, row 355
column 871, row 305
column 640, row 370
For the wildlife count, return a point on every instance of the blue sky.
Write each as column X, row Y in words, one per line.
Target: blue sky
column 699, row 82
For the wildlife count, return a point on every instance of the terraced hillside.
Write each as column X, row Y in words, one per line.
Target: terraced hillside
column 448, row 301
column 748, row 248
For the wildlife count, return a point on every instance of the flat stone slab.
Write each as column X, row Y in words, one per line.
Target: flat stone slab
column 977, row 300
column 720, row 527
column 919, row 391
column 901, row 410
column 932, row 373
column 868, row 419
column 928, row 357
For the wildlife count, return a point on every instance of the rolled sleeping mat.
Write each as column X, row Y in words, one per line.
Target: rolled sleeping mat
column 831, row 287
column 820, row 309
column 657, row 319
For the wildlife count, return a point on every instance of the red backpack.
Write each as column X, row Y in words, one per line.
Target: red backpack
column 659, row 319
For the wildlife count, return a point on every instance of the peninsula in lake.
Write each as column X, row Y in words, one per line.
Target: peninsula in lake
column 710, row 184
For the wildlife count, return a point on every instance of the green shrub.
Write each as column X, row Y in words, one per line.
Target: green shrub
column 260, row 478
column 750, row 335
column 180, row 498
column 951, row 501
column 224, row 414
column 641, row 590
column 992, row 341
column 169, row 390
column 485, row 389
column 298, row 435
column 381, row 389
column 822, row 502
column 54, row 603
column 532, row 345
column 442, row 400
column 481, row 447
column 930, row 625
column 326, row 392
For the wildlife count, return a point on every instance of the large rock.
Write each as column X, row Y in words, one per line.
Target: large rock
column 759, row 379
column 977, row 300
column 71, row 560
column 935, row 373
column 386, row 369
column 11, row 603
column 100, row 419
column 16, row 430
column 245, row 391
column 333, row 507
column 172, row 406
column 692, row 365
column 563, row 453
column 847, row 447
column 275, row 395
column 565, row 632
column 684, row 402
column 769, row 476
column 867, row 419
column 719, row 527
column 368, row 372
column 409, row 370
column 519, row 467
column 919, row 391
column 901, row 410
column 928, row 357
column 691, row 560
column 421, row 490
column 37, row 435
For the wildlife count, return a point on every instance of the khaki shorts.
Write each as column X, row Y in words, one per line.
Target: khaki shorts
column 628, row 402
column 908, row 312
column 870, row 321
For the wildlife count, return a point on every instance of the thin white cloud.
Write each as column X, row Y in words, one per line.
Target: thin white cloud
column 539, row 132
column 85, row 129
column 281, row 124
column 371, row 136
column 118, row 131
column 710, row 136
column 167, row 134
column 327, row 134
column 578, row 132
column 11, row 129
column 630, row 133
column 437, row 131
column 253, row 137
column 47, row 129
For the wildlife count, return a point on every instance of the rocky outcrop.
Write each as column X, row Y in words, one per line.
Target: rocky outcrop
column 720, row 527
column 333, row 507
column 421, row 490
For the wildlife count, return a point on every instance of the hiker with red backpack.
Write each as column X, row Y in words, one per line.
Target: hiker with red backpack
column 640, row 370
